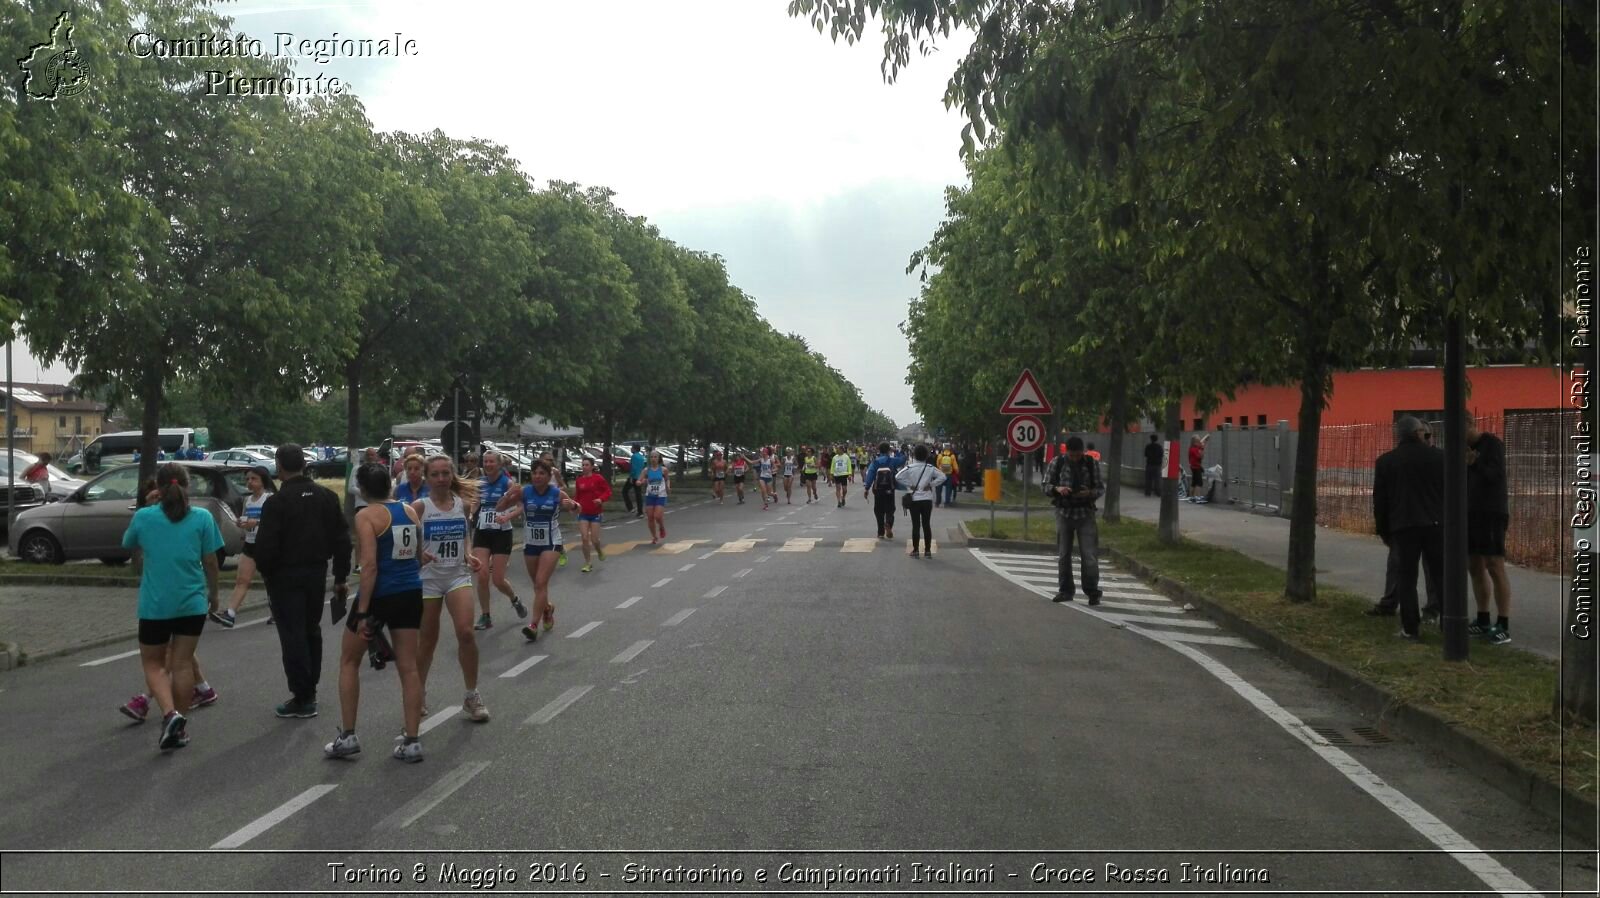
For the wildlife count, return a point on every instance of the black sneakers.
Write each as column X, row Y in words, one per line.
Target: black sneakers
column 1094, row 597
column 1060, row 597
column 1380, row 611
column 296, row 708
column 172, row 734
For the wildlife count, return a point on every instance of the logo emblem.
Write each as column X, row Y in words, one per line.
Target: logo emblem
column 54, row 68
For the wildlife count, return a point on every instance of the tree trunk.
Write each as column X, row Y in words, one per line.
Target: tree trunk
column 1169, row 487
column 149, row 425
column 1300, row 584
column 1576, row 698
column 352, row 430
column 1119, row 414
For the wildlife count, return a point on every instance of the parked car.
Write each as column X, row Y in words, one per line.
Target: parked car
column 246, row 457
column 329, row 467
column 90, row 523
column 119, row 448
column 58, row 487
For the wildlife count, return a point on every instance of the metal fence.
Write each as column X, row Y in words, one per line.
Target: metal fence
column 1346, row 455
column 1257, row 463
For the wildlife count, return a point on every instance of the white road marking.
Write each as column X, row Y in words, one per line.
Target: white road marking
column 1486, row 868
column 687, row 567
column 584, row 629
column 763, row 559
column 252, row 622
column 660, row 583
column 708, row 555
column 1143, row 607
column 1197, row 638
column 277, row 815
column 412, row 811
column 1193, row 623
column 436, row 718
column 632, row 651
column 716, row 591
column 630, row 602
column 561, row 703
column 678, row 618
column 744, row 573
column 524, row 666
column 109, row 658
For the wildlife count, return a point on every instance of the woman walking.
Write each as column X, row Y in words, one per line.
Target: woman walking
column 788, row 478
column 656, row 489
column 447, row 575
column 491, row 541
column 539, row 502
column 593, row 489
column 260, row 484
column 719, row 475
column 809, row 473
column 764, row 472
column 560, row 480
column 923, row 480
column 175, row 552
column 388, row 544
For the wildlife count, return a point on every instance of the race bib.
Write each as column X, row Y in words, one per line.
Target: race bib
column 406, row 541
column 449, row 550
column 539, row 534
column 655, row 489
column 486, row 519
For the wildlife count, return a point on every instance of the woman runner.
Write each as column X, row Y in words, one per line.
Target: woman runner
column 259, row 483
column 719, row 475
column 415, row 485
column 560, row 480
column 491, row 543
column 175, row 553
column 788, row 478
column 447, row 575
column 808, row 473
column 764, row 472
column 388, row 544
column 593, row 490
column 656, row 489
column 740, row 466
column 538, row 503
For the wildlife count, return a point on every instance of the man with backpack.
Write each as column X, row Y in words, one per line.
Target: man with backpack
column 879, row 484
column 1073, row 484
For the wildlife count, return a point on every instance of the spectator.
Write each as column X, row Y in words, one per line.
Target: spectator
column 951, row 469
column 1390, row 600
column 39, row 471
column 301, row 529
column 922, row 479
column 1488, row 515
column 1074, row 485
column 1407, row 507
column 969, row 463
column 1092, row 452
column 1197, row 470
column 1152, row 466
column 631, row 497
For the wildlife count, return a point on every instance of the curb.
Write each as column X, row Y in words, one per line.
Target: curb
column 1464, row 747
column 1010, row 545
column 10, row 655
column 79, row 580
column 19, row 658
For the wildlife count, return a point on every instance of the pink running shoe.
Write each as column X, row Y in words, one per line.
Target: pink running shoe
column 137, row 707
column 201, row 699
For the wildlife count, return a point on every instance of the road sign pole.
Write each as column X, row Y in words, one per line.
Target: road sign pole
column 1027, row 487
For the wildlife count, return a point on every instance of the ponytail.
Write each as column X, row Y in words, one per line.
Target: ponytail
column 173, row 482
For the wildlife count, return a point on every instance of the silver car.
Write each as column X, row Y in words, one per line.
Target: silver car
column 90, row 522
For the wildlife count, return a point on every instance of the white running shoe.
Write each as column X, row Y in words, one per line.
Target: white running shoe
column 343, row 746
column 474, row 708
column 409, row 752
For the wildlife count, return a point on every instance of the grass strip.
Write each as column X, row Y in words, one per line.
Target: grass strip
column 1503, row 694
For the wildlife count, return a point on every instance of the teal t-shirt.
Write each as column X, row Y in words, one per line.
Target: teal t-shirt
column 173, row 583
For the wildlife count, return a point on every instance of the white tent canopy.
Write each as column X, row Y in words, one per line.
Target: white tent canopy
column 534, row 428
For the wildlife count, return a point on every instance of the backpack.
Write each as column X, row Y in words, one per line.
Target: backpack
column 883, row 485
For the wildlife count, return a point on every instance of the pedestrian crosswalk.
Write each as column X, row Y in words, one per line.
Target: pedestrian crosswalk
column 1125, row 601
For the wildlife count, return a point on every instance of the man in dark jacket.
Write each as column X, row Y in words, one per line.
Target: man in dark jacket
column 1073, row 484
column 1153, row 454
column 302, row 527
column 1407, row 508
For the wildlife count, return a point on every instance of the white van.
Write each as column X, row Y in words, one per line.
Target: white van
column 110, row 449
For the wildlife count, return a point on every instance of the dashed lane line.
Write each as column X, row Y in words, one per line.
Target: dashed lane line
column 632, row 651
column 630, row 602
column 678, row 618
column 524, row 666
column 275, row 816
column 716, row 591
column 744, row 573
column 109, row 658
column 561, row 703
column 686, row 568
column 660, row 583
column 436, row 718
column 586, row 628
column 708, row 554
column 447, row 785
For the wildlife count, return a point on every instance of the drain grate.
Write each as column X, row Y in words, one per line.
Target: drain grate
column 1350, row 737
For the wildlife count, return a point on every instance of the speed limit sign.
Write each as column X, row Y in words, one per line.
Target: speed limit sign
column 1026, row 433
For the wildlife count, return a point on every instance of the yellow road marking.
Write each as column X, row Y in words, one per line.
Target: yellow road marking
column 801, row 544
column 860, row 544
column 677, row 548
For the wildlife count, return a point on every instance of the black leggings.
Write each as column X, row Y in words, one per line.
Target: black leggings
column 921, row 523
column 883, row 508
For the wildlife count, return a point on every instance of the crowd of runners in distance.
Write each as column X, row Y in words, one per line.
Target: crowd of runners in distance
column 431, row 542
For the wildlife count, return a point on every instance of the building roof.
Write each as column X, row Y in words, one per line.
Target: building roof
column 37, row 397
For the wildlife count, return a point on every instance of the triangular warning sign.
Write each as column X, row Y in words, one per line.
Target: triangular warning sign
column 1026, row 398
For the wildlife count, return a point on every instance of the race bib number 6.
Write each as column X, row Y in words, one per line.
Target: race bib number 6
column 406, row 541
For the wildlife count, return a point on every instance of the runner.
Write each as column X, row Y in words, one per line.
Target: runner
column 788, row 478
column 491, row 544
column 809, row 473
column 740, row 466
column 719, row 474
column 415, row 485
column 593, row 490
column 764, row 472
column 447, row 577
column 174, row 552
column 259, row 483
column 656, row 489
column 388, row 542
column 538, row 503
column 560, row 480
column 841, row 469
column 951, row 469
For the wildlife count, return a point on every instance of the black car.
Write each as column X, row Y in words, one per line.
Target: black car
column 325, row 468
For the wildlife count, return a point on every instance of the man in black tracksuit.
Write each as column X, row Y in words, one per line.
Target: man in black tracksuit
column 1152, row 466
column 302, row 527
column 1408, row 509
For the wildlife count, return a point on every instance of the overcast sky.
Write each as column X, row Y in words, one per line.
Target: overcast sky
column 735, row 128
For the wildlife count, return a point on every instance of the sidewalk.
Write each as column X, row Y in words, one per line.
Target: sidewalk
column 1356, row 562
column 47, row 621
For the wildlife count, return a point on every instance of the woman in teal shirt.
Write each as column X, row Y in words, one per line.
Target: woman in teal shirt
column 175, row 551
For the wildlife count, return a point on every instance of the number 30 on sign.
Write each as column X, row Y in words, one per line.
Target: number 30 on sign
column 1026, row 433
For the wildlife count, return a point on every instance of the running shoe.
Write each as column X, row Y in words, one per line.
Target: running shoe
column 484, row 622
column 601, row 555
column 409, row 752
column 517, row 606
column 663, row 531
column 549, row 616
column 587, row 569
column 473, row 706
column 296, row 708
column 914, row 553
column 343, row 745
column 137, row 707
column 271, row 619
column 203, row 697
column 562, row 561
column 654, row 541
column 1497, row 636
column 1477, row 629
column 172, row 731
column 224, row 616
column 530, row 633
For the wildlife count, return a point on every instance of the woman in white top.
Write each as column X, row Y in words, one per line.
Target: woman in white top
column 788, row 477
column 449, row 573
column 922, row 479
column 259, row 483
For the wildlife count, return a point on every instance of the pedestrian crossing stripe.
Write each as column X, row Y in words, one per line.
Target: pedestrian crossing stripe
column 678, row 547
column 739, row 545
column 624, row 547
column 861, row 544
column 800, row 544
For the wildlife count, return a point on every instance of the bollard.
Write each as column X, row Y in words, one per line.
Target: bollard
column 991, row 494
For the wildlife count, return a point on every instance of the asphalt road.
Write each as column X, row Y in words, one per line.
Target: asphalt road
column 743, row 703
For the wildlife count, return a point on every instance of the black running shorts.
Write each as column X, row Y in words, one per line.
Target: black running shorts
column 398, row 610
column 160, row 631
column 1486, row 535
column 498, row 542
